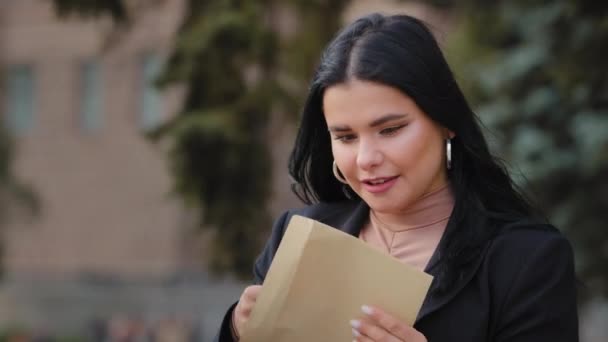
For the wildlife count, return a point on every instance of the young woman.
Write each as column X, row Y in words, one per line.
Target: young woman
column 389, row 150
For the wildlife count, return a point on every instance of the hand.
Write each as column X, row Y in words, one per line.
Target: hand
column 243, row 309
column 379, row 326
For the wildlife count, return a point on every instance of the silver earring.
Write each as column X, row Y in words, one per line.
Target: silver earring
column 448, row 152
column 337, row 174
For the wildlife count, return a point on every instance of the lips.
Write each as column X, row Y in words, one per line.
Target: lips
column 379, row 184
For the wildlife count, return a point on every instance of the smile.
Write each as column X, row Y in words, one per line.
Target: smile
column 378, row 181
column 379, row 185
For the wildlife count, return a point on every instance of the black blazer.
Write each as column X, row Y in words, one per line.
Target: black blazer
column 521, row 288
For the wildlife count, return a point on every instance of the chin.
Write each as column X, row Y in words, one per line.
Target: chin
column 383, row 206
column 388, row 204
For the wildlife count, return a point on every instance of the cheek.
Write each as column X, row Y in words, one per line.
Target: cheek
column 343, row 156
column 420, row 150
column 411, row 147
column 431, row 160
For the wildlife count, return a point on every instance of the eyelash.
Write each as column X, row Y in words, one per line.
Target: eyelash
column 389, row 131
column 345, row 138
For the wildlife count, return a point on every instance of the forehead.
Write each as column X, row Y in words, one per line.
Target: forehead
column 365, row 100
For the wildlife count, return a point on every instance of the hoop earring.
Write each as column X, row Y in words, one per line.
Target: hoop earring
column 448, row 152
column 337, row 173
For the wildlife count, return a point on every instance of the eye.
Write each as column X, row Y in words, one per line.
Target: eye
column 391, row 130
column 346, row 138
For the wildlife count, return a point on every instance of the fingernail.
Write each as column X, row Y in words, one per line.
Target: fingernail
column 356, row 333
column 367, row 310
column 355, row 323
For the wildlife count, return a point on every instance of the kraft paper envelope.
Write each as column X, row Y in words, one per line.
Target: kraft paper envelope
column 318, row 280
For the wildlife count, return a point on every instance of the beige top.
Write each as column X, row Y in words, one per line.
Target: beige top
column 415, row 240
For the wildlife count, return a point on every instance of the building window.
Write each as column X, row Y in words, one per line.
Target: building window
column 90, row 112
column 19, row 98
column 150, row 101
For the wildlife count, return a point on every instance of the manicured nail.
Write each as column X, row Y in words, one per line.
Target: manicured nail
column 356, row 333
column 355, row 323
column 367, row 310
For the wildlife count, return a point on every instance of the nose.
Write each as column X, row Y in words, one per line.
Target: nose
column 368, row 155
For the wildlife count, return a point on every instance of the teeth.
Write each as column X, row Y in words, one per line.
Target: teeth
column 378, row 181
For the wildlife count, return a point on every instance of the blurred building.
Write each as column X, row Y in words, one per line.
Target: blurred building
column 77, row 97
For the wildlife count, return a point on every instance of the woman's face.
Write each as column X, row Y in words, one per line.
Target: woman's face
column 390, row 152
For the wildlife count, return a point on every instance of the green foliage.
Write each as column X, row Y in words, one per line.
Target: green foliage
column 219, row 150
column 537, row 74
column 235, row 65
column 318, row 22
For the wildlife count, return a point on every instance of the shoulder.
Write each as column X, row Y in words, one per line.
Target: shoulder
column 530, row 273
column 522, row 239
column 527, row 250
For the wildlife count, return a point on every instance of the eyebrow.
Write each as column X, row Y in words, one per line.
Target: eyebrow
column 375, row 123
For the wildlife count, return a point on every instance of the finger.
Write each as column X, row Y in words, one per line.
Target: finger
column 359, row 337
column 246, row 310
column 391, row 324
column 366, row 329
column 249, row 296
column 247, row 300
column 251, row 292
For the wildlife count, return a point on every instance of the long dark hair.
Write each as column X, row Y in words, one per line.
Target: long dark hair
column 400, row 51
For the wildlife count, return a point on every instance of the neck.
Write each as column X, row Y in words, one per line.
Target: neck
column 431, row 208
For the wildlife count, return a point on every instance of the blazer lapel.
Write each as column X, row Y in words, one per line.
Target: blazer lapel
column 355, row 221
column 435, row 301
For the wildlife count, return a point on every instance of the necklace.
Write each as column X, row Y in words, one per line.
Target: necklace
column 388, row 234
column 377, row 222
column 385, row 232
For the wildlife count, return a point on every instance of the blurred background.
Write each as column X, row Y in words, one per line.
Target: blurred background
column 144, row 144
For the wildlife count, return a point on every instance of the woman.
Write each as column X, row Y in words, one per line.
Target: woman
column 389, row 150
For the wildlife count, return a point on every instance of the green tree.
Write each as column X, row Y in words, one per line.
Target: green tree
column 238, row 69
column 233, row 61
column 537, row 75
